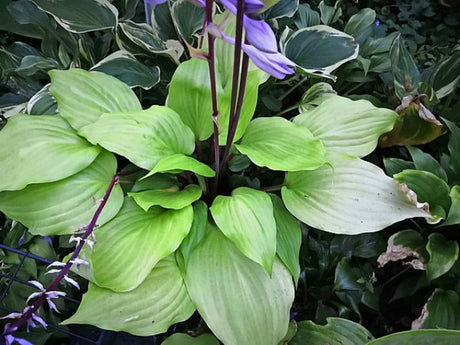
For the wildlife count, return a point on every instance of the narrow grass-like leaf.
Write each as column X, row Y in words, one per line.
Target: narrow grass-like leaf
column 61, row 207
column 143, row 137
column 246, row 218
column 83, row 96
column 31, row 145
column 160, row 301
column 351, row 197
column 249, row 306
column 133, row 242
column 278, row 144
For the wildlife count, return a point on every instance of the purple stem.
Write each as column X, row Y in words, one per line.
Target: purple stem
column 212, row 77
column 21, row 321
column 235, row 106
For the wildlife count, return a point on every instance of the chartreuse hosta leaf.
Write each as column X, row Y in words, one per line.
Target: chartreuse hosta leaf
column 420, row 337
column 443, row 255
column 143, row 137
column 246, row 218
column 288, row 237
column 160, row 301
column 83, row 96
column 454, row 212
column 336, row 332
column 196, row 234
column 30, row 145
column 249, row 306
column 63, row 206
column 351, row 197
column 82, row 15
column 279, row 144
column 347, row 126
column 133, row 242
column 429, row 188
column 184, row 339
column 180, row 162
column 190, row 96
column 171, row 197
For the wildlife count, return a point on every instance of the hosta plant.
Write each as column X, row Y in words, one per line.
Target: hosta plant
column 181, row 220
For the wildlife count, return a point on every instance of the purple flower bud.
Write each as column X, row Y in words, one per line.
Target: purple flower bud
column 260, row 35
column 250, row 6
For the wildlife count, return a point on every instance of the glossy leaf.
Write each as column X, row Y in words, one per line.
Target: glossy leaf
column 454, row 147
column 396, row 165
column 143, row 137
column 30, row 145
column 426, row 162
column 42, row 103
column 420, row 337
column 83, row 96
column 288, row 237
column 82, row 15
column 319, row 49
column 454, row 211
column 184, row 339
column 139, row 38
column 443, row 255
column 406, row 75
column 347, row 126
column 412, row 128
column 351, row 197
column 250, row 306
column 336, row 332
column 61, row 207
column 441, row 311
column 190, row 96
column 283, row 8
column 188, row 18
column 445, row 75
column 429, row 188
column 160, row 301
column 360, row 21
column 172, row 198
column 246, row 218
column 181, row 162
column 124, row 66
column 279, row 144
column 136, row 240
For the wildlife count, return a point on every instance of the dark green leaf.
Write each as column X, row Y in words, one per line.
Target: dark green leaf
column 443, row 255
column 405, row 72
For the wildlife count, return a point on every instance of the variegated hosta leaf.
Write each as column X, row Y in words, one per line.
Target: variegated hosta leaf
column 82, row 15
column 133, row 243
column 319, row 49
column 83, row 96
column 351, row 197
column 61, row 207
column 160, row 301
column 143, row 137
column 246, row 218
column 30, row 145
column 240, row 302
column 347, row 126
column 279, row 144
